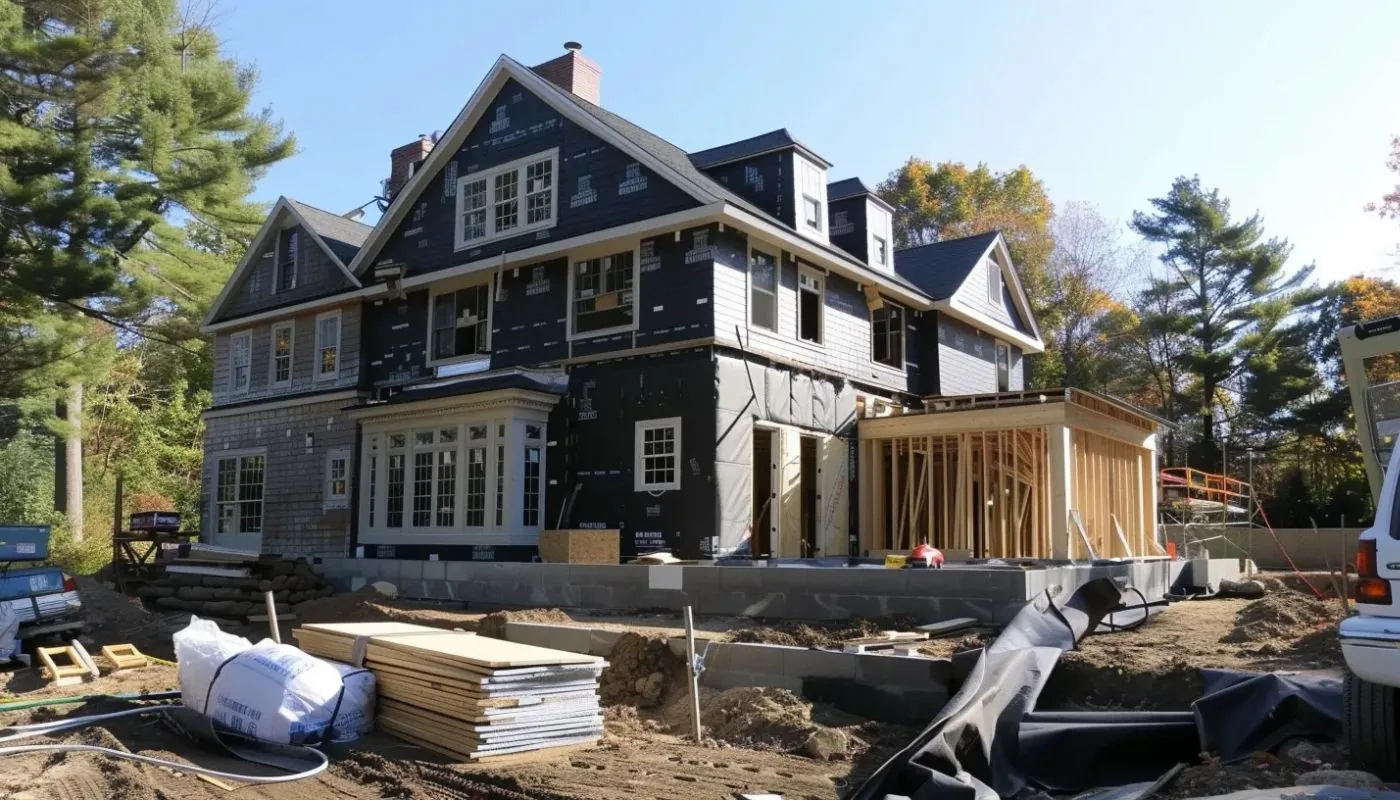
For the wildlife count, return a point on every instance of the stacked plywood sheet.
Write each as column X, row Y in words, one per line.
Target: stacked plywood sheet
column 469, row 696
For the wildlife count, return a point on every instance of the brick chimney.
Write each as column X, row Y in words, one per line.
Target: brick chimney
column 574, row 72
column 402, row 161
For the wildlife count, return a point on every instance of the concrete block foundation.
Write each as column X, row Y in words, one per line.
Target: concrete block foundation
column 989, row 593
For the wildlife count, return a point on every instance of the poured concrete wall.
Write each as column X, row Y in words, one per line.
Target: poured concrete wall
column 1310, row 549
column 989, row 594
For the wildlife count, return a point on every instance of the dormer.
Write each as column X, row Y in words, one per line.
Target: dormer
column 778, row 174
column 860, row 223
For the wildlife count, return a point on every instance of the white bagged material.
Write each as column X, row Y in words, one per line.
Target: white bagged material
column 9, row 627
column 269, row 691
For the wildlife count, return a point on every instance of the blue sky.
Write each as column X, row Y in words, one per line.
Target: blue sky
column 1287, row 107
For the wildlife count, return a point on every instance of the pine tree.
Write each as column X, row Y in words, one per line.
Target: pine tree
column 1225, row 291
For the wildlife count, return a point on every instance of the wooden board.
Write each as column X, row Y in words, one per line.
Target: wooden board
column 462, row 740
column 582, row 546
column 481, row 651
column 473, row 689
column 124, row 656
column 407, row 734
column 470, row 731
column 483, row 714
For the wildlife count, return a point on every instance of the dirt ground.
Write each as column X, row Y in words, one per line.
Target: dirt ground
column 757, row 740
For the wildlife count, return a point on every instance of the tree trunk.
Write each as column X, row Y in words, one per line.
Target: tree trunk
column 68, row 461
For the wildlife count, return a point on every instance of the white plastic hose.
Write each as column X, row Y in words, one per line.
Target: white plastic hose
column 41, row 728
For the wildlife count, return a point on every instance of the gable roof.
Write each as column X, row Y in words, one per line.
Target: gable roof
column 670, row 162
column 938, row 269
column 343, row 236
column 753, row 146
column 941, row 268
column 316, row 222
column 853, row 187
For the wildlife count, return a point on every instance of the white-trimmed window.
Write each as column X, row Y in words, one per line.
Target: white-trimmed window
column 811, row 187
column 657, row 445
column 879, row 251
column 878, row 225
column 763, row 290
column 508, row 200
column 810, row 288
column 240, row 361
column 279, row 368
column 461, row 323
column 602, row 296
column 337, row 479
column 328, row 346
column 289, row 242
column 887, row 335
column 238, row 493
column 473, row 474
column 1003, row 357
column 993, row 281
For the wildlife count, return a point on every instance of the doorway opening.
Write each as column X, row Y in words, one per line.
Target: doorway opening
column 761, row 544
column 807, row 471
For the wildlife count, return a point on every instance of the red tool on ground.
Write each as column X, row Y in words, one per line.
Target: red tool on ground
column 930, row 555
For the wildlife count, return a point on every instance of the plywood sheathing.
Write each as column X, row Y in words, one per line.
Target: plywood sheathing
column 998, row 475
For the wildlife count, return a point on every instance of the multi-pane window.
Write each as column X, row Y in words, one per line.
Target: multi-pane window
column 394, row 489
column 372, row 468
column 240, row 361
column 475, row 507
column 602, row 293
column 809, row 306
column 507, row 200
column 887, row 335
column 337, row 479
column 462, row 322
column 763, row 290
column 500, row 480
column 993, row 282
column 473, row 203
column 282, row 353
column 658, row 454
column 532, row 490
column 287, row 261
column 812, row 187
column 539, row 192
column 423, row 489
column 239, row 494
column 328, row 346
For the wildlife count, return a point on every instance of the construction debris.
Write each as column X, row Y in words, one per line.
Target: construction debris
column 469, row 696
column 229, row 592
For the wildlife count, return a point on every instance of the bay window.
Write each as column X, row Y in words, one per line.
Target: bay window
column 507, row 200
column 473, row 478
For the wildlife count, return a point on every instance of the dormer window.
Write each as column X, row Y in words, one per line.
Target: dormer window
column 811, row 185
column 507, row 200
column 879, row 251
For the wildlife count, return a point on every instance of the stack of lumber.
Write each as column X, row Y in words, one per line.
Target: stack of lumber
column 469, row 696
column 228, row 584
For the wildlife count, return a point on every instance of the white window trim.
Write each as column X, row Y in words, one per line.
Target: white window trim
column 339, row 338
column 277, row 260
column 876, row 239
column 638, row 460
column 994, row 287
column 777, row 285
column 272, row 381
column 341, row 500
column 237, row 456
column 903, row 338
column 510, row 531
column 599, row 252
column 997, row 345
column 803, row 164
column 489, row 175
column 448, row 288
column 234, row 388
column 803, row 269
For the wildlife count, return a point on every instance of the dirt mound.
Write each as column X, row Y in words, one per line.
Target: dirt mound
column 1262, row 772
column 494, row 625
column 358, row 606
column 640, row 672
column 822, row 634
column 1281, row 617
column 1329, row 583
column 763, row 718
column 114, row 618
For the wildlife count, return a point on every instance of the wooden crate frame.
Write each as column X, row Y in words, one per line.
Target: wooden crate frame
column 124, row 656
column 62, row 674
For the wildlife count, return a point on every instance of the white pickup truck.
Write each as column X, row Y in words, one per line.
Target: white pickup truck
column 1371, row 638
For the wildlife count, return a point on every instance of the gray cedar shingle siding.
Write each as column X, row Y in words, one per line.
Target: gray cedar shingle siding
column 295, row 520
column 974, row 294
column 967, row 360
column 303, row 358
column 317, row 276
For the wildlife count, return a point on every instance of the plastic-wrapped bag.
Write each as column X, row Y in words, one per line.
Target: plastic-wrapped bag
column 269, row 691
column 9, row 628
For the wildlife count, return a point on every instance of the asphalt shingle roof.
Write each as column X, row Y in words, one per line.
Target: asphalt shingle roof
column 846, row 188
column 752, row 146
column 343, row 236
column 938, row 269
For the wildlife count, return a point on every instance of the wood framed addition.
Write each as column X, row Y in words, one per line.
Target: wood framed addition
column 1064, row 474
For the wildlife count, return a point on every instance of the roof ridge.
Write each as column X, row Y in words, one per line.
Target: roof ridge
column 327, row 213
column 994, row 232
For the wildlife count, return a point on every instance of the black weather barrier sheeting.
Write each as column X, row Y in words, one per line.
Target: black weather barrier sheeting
column 1245, row 712
column 961, row 754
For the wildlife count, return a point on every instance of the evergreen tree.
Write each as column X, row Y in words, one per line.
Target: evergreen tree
column 1225, row 291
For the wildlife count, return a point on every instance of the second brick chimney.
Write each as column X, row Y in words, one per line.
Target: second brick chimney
column 402, row 161
column 574, row 72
